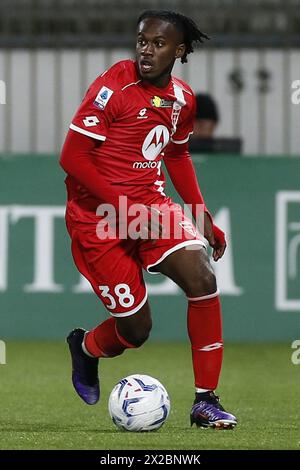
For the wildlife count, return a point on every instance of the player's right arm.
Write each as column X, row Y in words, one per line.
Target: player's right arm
column 88, row 130
column 76, row 161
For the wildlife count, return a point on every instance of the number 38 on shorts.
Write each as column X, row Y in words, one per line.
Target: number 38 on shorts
column 120, row 296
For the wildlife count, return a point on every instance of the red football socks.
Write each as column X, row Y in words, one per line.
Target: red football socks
column 105, row 341
column 205, row 333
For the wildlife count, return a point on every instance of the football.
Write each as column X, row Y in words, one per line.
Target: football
column 139, row 403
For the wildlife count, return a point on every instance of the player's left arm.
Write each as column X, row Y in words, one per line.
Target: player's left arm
column 182, row 173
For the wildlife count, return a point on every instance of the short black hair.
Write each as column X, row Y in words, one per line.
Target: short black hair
column 189, row 29
column 206, row 107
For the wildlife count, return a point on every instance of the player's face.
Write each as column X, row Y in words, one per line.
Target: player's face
column 159, row 44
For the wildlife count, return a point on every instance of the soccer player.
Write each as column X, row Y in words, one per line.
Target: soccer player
column 134, row 115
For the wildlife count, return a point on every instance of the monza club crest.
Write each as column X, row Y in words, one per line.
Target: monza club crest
column 155, row 142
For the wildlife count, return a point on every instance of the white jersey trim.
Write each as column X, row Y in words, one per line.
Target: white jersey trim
column 178, row 91
column 89, row 134
column 182, row 141
column 205, row 297
column 179, row 85
column 130, row 84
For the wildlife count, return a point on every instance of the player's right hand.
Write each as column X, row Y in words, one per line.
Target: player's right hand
column 144, row 223
column 154, row 228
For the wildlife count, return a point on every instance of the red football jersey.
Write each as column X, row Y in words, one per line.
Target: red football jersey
column 134, row 121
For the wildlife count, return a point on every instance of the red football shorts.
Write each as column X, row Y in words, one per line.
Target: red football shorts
column 114, row 266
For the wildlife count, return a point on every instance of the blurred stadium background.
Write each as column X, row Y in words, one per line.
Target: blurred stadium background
column 57, row 47
column 50, row 50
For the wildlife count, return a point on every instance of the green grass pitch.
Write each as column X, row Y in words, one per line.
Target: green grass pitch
column 40, row 410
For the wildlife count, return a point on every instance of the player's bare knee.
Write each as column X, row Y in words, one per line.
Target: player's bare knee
column 209, row 282
column 137, row 338
column 135, row 329
column 203, row 284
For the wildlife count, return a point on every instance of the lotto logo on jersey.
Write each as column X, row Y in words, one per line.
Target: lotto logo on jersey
column 90, row 121
column 155, row 141
column 103, row 97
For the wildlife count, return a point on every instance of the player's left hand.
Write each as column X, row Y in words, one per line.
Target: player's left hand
column 220, row 243
column 215, row 237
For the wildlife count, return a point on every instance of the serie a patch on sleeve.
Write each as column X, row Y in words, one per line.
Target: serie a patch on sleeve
column 103, row 97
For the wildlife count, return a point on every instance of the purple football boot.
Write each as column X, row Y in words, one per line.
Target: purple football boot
column 84, row 369
column 207, row 412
